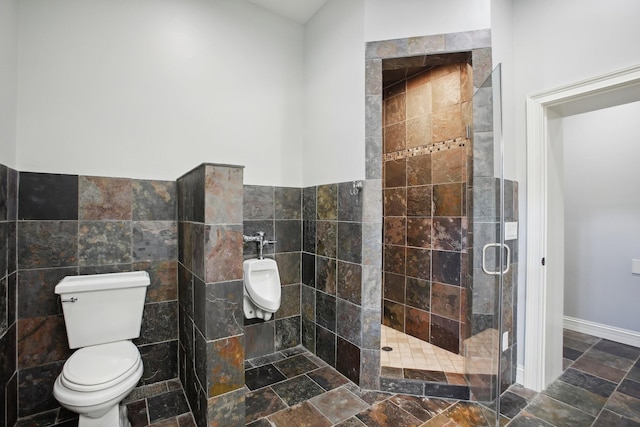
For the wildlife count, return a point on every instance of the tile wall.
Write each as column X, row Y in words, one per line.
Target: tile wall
column 70, row 225
column 426, row 177
column 277, row 211
column 336, row 266
column 8, row 295
column 212, row 335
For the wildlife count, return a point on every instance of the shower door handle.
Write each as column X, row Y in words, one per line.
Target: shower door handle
column 484, row 258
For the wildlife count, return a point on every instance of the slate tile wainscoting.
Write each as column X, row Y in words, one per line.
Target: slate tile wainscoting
column 70, row 225
column 8, row 295
column 212, row 338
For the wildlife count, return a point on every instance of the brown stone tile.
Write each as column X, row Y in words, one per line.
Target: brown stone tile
column 607, row 359
column 577, row 397
column 395, row 173
column 394, row 259
column 423, row 408
column 302, row 415
column 223, row 195
column 394, row 109
column 393, row 315
column 467, row 414
column 418, row 263
column 328, row 378
column 262, row 403
column 447, row 199
column 327, row 202
column 225, row 365
column 586, row 363
column 385, row 414
column 466, row 82
column 445, row 333
column 395, row 228
column 349, row 282
column 223, row 253
column 41, row 340
column 419, row 232
column 445, row 300
column 419, row 170
column 446, row 124
column 164, row 280
column 419, row 95
column 449, row 166
column 447, row 234
column 395, row 137
column 446, row 89
column 395, row 201
column 103, row 198
column 417, row 323
column 419, row 201
column 558, row 413
column 418, row 293
column 419, row 131
column 394, row 287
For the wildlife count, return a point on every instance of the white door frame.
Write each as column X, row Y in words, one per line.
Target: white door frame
column 544, row 284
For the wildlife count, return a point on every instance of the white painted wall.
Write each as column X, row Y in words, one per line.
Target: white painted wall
column 8, row 80
column 396, row 19
column 556, row 43
column 602, row 216
column 150, row 89
column 334, row 94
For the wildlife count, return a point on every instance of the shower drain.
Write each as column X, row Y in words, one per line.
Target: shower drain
column 387, row 348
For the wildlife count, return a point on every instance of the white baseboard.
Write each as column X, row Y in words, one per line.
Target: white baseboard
column 520, row 374
column 612, row 333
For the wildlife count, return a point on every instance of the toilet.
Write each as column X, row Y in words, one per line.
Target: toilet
column 262, row 293
column 102, row 313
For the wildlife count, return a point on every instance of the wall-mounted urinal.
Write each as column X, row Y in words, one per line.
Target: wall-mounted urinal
column 262, row 293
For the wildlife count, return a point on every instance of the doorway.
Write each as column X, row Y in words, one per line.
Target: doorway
column 545, row 215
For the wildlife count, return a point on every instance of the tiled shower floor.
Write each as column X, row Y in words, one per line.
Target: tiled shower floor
column 600, row 387
column 412, row 353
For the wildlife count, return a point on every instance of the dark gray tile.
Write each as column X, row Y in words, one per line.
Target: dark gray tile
column 167, row 405
column 348, row 359
column 288, row 333
column 297, row 390
column 349, row 205
column 258, row 202
column 309, row 203
column 423, row 408
column 36, row 295
column 288, row 234
column 262, row 376
column 328, row 378
column 102, row 242
column 350, row 242
column 296, row 365
column 557, row 413
column 34, row 388
column 259, row 339
column 154, row 240
column 44, row 196
column 262, row 403
column 160, row 362
column 448, row 391
column 577, row 397
column 618, row 349
column 588, row 382
column 288, row 203
column 219, row 311
column 326, row 345
column 46, row 244
column 326, row 311
column 289, row 267
column 630, row 388
column 159, row 323
column 608, row 418
column 349, row 323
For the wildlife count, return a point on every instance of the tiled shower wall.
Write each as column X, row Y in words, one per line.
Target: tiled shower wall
column 8, row 295
column 425, row 210
column 277, row 211
column 210, row 293
column 70, row 225
column 337, row 243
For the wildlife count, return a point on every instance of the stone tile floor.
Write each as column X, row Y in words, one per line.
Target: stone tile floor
column 600, row 387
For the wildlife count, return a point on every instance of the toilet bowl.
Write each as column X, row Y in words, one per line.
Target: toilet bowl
column 262, row 292
column 102, row 313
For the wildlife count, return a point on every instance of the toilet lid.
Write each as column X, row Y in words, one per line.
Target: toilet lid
column 99, row 366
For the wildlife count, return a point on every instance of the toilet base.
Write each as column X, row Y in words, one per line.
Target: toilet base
column 116, row 416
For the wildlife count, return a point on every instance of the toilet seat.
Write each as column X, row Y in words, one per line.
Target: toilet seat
column 100, row 367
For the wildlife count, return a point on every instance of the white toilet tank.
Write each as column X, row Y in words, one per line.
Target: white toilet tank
column 103, row 308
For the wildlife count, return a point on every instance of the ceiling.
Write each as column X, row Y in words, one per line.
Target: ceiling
column 297, row 10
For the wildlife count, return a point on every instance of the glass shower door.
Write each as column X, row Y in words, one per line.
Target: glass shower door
column 489, row 348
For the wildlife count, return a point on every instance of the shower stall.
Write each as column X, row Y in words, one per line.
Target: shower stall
column 448, row 269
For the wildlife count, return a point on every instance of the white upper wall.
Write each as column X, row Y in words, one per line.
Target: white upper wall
column 150, row 89
column 334, row 94
column 8, row 80
column 602, row 216
column 385, row 20
column 334, row 69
